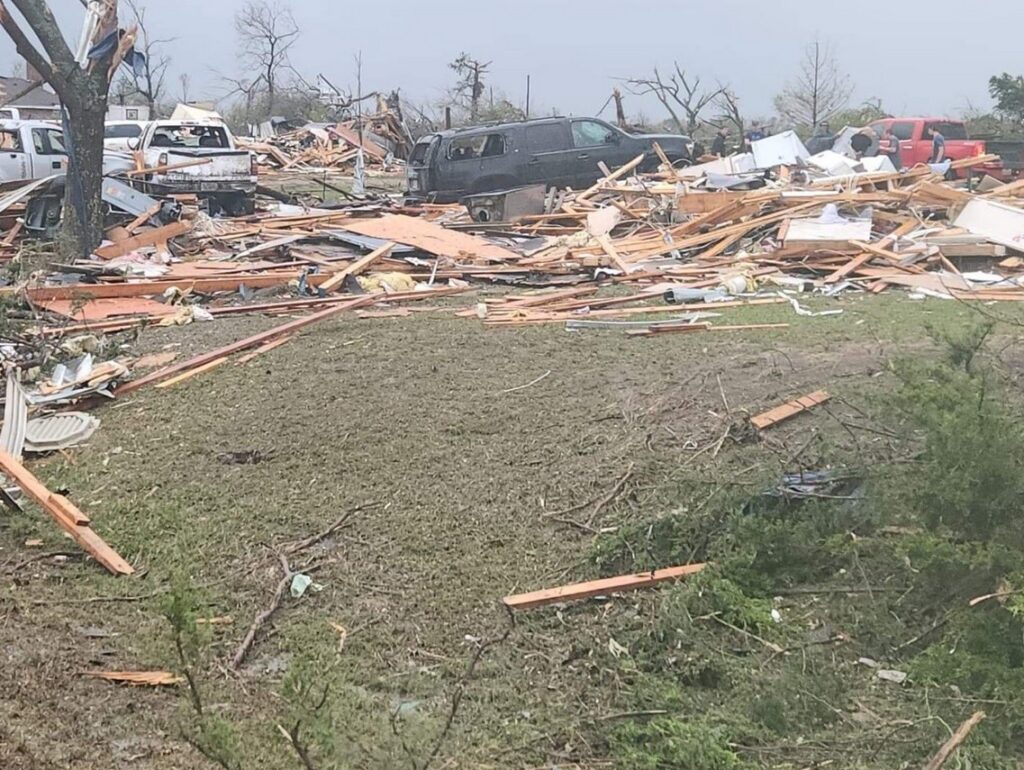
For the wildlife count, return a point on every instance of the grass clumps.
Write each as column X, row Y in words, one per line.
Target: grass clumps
column 918, row 567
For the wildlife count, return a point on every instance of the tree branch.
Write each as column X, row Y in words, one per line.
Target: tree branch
column 40, row 18
column 25, row 47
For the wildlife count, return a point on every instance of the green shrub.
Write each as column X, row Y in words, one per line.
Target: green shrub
column 672, row 744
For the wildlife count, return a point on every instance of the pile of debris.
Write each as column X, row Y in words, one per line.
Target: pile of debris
column 684, row 245
column 318, row 146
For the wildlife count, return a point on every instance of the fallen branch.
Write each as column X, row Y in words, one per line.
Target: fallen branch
column 263, row 617
column 529, row 384
column 309, row 542
column 611, row 495
column 950, row 746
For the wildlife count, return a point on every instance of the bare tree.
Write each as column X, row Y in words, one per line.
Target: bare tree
column 83, row 86
column 149, row 84
column 678, row 93
column 818, row 92
column 266, row 33
column 729, row 111
column 470, row 87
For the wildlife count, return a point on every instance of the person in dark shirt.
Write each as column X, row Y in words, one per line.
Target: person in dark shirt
column 938, row 145
column 755, row 134
column 892, row 147
column 718, row 147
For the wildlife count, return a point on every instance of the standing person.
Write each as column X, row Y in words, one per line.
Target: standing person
column 938, row 145
column 755, row 134
column 892, row 147
column 718, row 147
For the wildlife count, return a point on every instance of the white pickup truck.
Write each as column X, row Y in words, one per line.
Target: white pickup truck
column 31, row 149
column 198, row 157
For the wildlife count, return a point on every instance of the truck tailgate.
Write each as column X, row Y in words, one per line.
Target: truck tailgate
column 201, row 164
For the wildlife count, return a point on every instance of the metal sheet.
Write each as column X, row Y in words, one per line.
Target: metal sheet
column 366, row 242
column 126, row 198
column 12, row 436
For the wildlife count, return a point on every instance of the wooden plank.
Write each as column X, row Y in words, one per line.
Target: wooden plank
column 67, row 516
column 357, row 267
column 192, row 373
column 603, row 587
column 788, row 410
column 955, row 740
column 606, row 245
column 144, row 217
column 621, row 172
column 171, row 167
column 148, row 238
column 262, row 349
column 849, row 267
column 249, row 342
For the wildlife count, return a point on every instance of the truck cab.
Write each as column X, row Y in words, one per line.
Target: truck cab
column 31, row 149
column 916, row 144
column 199, row 157
column 555, row 152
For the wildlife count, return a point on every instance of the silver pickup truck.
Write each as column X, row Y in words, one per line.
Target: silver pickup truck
column 199, row 157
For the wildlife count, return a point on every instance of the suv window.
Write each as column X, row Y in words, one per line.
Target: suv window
column 547, row 137
column 473, row 147
column 952, row 131
column 590, row 133
column 419, row 150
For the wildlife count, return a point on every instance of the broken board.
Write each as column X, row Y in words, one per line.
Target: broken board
column 788, row 410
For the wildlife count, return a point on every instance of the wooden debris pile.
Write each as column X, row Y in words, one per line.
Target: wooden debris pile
column 335, row 146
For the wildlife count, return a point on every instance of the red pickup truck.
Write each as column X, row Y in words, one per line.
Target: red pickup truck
column 916, row 144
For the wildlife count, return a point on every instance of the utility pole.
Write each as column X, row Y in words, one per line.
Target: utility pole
column 359, row 183
column 527, row 96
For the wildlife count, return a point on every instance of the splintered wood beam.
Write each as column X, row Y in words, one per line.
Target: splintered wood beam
column 603, row 587
column 67, row 516
column 788, row 410
column 357, row 267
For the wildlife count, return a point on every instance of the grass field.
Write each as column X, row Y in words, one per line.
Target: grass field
column 463, row 474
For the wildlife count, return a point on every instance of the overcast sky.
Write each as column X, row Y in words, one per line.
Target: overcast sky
column 917, row 57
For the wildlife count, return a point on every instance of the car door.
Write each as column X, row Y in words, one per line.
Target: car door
column 49, row 156
column 595, row 142
column 13, row 160
column 459, row 164
column 549, row 154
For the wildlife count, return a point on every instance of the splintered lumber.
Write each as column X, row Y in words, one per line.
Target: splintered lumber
column 955, row 741
column 67, row 516
column 249, row 342
column 171, row 167
column 263, row 349
column 192, row 373
column 854, row 264
column 430, row 237
column 788, row 410
column 618, row 174
column 138, row 678
column 357, row 267
column 602, row 587
column 149, row 238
